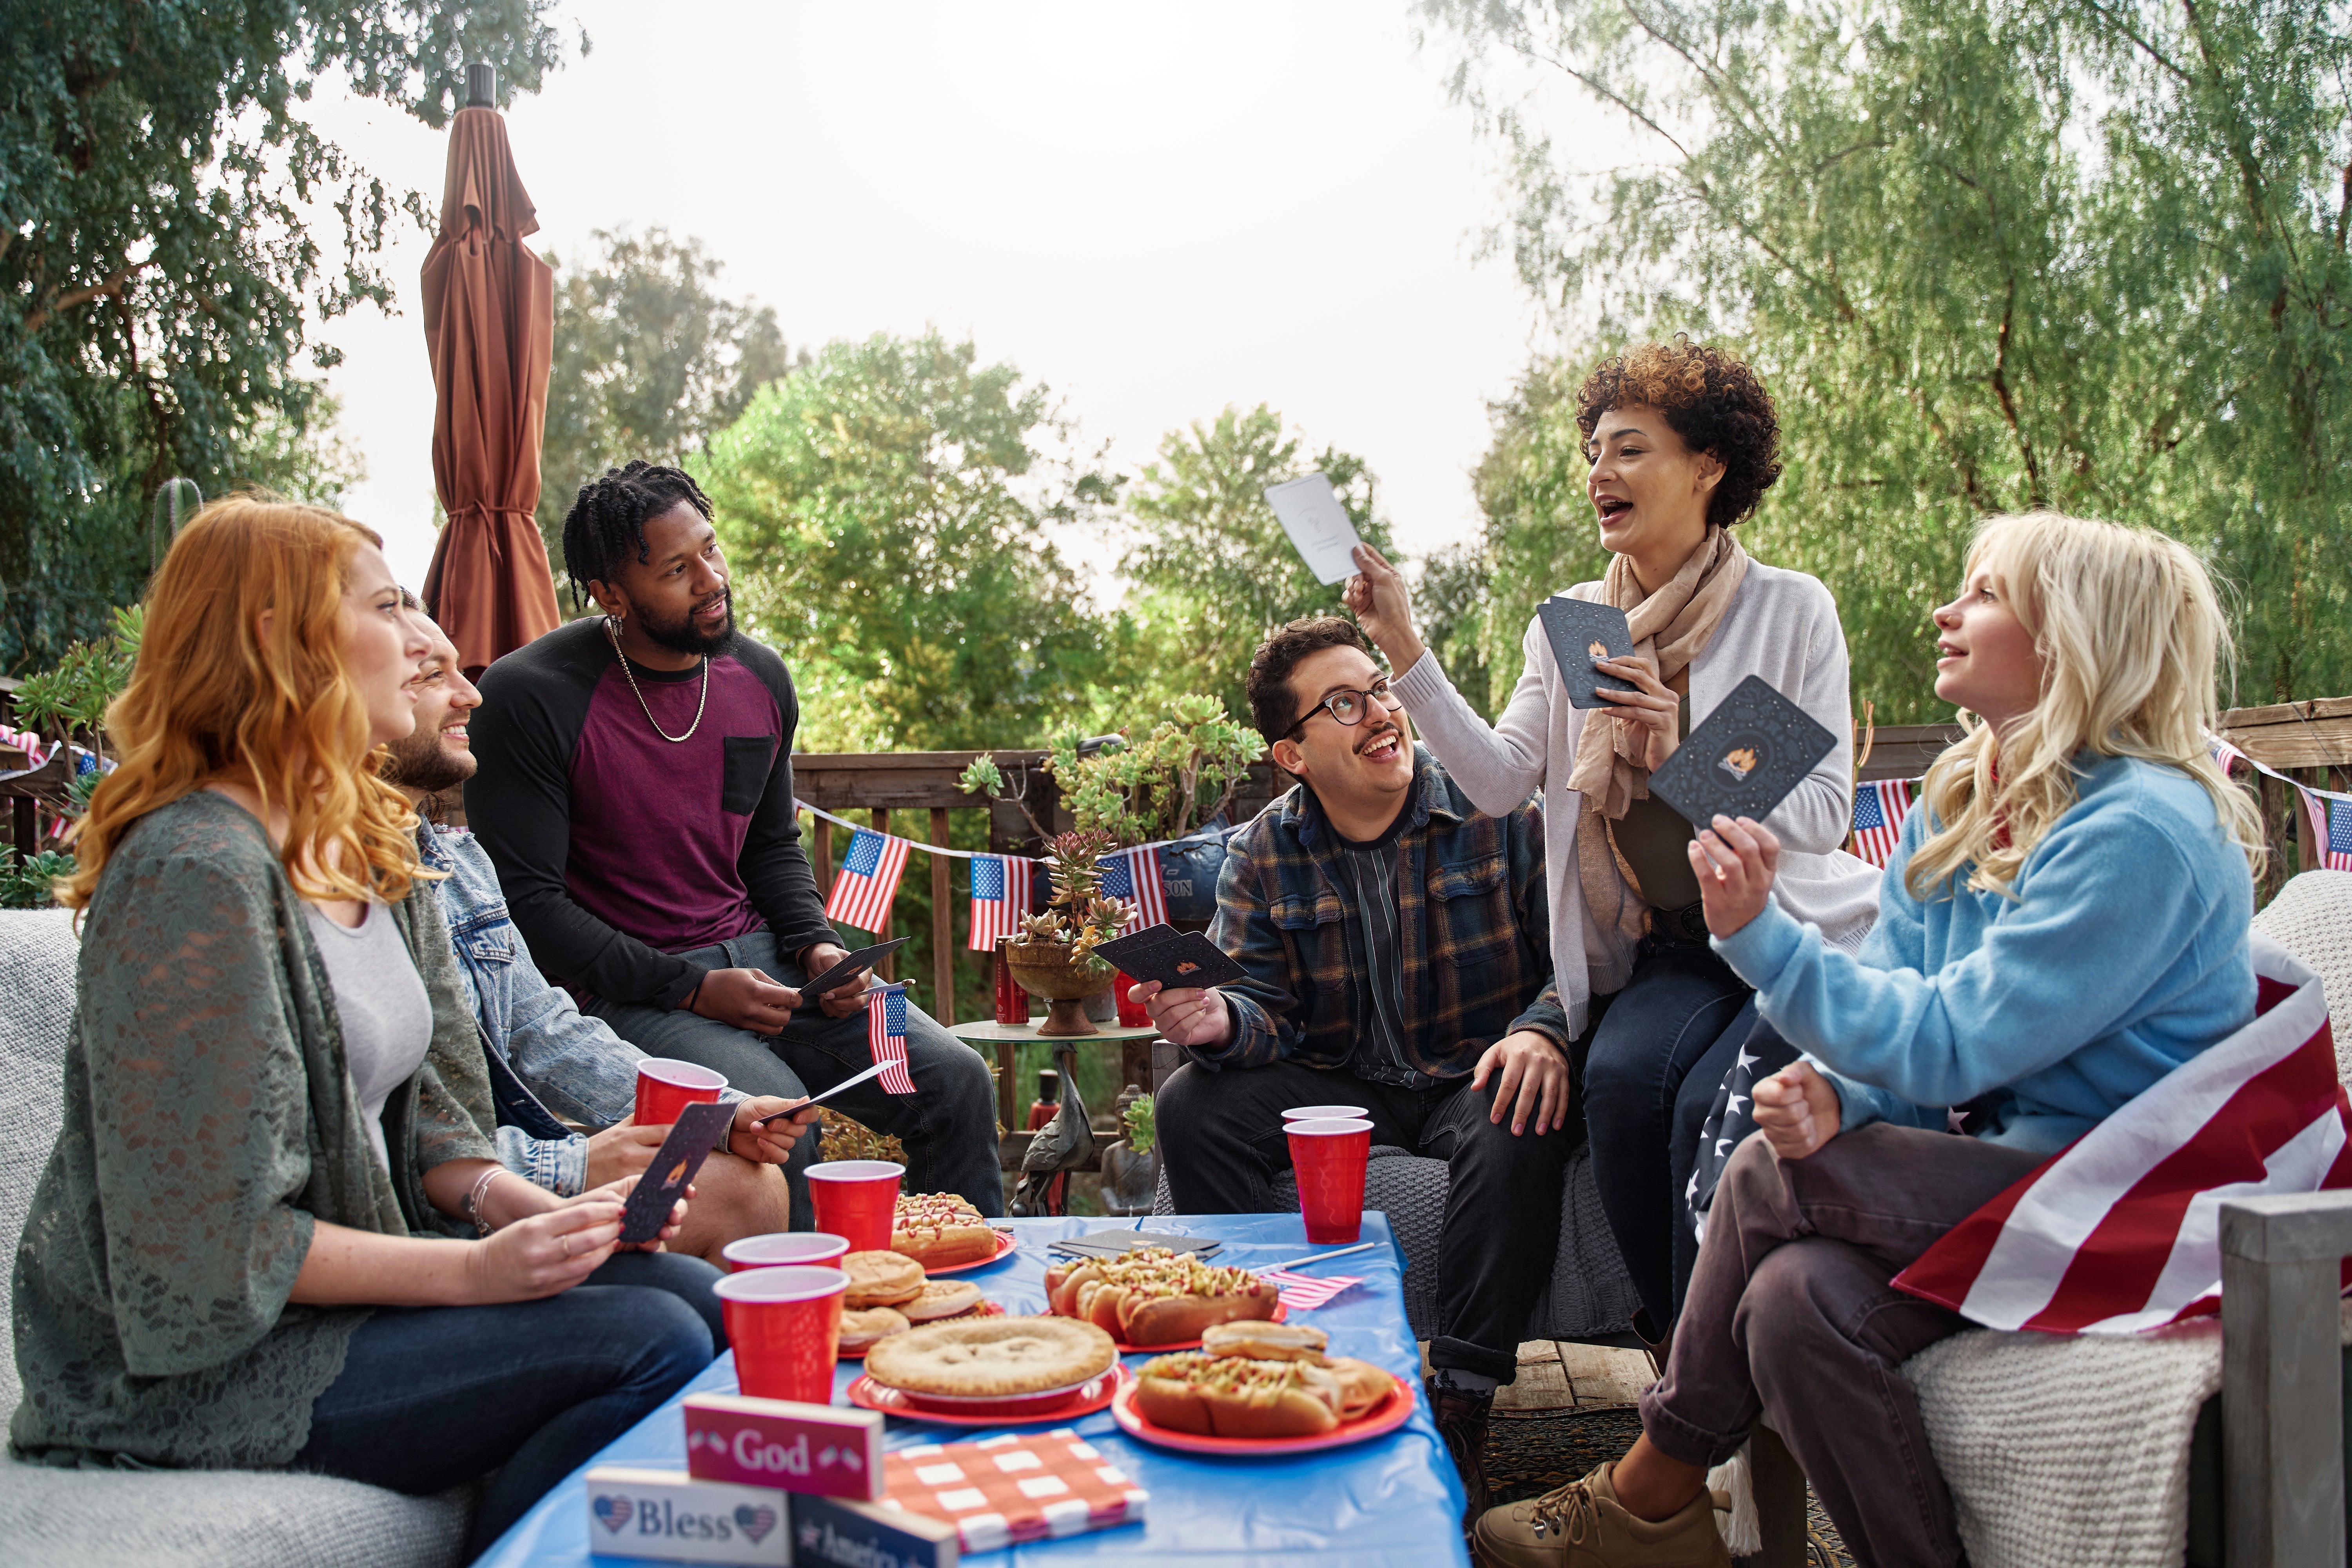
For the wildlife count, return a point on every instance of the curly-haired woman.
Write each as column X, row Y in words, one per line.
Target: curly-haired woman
column 273, row 1230
column 1683, row 442
column 2066, row 922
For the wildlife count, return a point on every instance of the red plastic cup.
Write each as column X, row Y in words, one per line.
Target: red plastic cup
column 858, row 1199
column 1329, row 1153
column 1132, row 1015
column 1318, row 1112
column 810, row 1248
column 786, row 1326
column 664, row 1088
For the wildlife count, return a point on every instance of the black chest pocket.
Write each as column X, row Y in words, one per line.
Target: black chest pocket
column 746, row 777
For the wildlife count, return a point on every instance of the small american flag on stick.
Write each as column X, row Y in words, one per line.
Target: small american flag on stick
column 1134, row 875
column 885, row 1032
column 1000, row 897
column 869, row 881
column 1879, row 812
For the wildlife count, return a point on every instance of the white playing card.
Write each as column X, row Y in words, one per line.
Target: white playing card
column 1318, row 525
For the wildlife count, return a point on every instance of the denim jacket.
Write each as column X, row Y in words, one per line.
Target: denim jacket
column 1473, row 914
column 546, row 1056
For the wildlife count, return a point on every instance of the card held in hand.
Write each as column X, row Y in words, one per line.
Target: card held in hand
column 1174, row 958
column 1581, row 632
column 863, row 958
column 691, row 1138
column 1744, row 759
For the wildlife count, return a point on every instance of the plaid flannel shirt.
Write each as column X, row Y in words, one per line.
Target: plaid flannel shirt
column 1473, row 914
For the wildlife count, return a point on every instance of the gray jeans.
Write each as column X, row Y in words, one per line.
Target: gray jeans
column 1791, row 1317
column 948, row 1124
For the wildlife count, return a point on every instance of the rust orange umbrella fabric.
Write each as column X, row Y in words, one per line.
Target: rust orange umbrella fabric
column 490, row 330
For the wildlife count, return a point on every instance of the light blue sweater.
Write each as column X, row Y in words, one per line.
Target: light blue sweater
column 2121, row 954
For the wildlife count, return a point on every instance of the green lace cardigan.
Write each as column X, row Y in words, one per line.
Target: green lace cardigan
column 209, row 1121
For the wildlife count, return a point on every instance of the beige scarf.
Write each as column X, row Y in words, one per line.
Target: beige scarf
column 1671, row 628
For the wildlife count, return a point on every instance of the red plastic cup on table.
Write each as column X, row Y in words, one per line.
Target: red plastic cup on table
column 1132, row 1015
column 1318, row 1112
column 811, row 1248
column 666, row 1087
column 786, row 1326
column 856, row 1199
column 1328, row 1154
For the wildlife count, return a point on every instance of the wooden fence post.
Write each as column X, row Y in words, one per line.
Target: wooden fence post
column 942, row 927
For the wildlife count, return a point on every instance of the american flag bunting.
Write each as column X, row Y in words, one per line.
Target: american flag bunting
column 869, row 881
column 2331, row 828
column 1879, row 812
column 885, row 1032
column 1134, row 875
column 1000, row 897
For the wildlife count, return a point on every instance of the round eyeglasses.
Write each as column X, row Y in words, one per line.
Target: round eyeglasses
column 1350, row 708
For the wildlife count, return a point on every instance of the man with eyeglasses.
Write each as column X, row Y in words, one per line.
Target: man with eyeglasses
column 1399, row 953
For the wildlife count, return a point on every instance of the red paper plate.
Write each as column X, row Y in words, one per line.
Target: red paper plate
column 1091, row 1396
column 1004, row 1244
column 1281, row 1313
column 985, row 1310
column 1382, row 1419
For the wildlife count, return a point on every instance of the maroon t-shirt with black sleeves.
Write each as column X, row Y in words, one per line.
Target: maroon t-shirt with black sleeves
column 616, row 848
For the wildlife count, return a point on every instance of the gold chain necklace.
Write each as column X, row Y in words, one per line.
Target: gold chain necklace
column 611, row 632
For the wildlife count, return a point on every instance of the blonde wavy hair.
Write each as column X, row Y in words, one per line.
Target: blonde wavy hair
column 212, row 698
column 2131, row 637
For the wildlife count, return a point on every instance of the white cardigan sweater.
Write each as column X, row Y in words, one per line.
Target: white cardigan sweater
column 1781, row 626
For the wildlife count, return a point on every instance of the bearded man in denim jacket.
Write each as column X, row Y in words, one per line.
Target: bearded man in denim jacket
column 1398, row 948
column 549, row 1062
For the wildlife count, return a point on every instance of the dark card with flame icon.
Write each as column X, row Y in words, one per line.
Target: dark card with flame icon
column 691, row 1138
column 1174, row 958
column 1580, row 633
column 1744, row 759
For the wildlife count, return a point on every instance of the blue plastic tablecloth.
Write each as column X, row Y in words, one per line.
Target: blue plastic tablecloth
column 1393, row 1499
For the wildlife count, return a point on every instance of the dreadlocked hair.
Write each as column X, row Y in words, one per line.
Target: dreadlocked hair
column 606, row 524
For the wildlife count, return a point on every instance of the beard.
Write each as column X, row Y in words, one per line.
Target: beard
column 418, row 761
column 681, row 636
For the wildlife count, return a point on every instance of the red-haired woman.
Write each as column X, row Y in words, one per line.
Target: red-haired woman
column 273, row 1230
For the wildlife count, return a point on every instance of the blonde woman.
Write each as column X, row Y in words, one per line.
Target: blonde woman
column 1683, row 442
column 273, row 1230
column 2065, row 922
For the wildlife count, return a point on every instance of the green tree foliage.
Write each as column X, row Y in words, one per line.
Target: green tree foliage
column 650, row 362
column 1213, row 571
column 156, row 166
column 1991, row 255
column 889, row 512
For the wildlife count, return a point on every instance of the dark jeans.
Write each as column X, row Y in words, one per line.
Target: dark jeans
column 1647, row 1080
column 1792, row 1317
column 432, row 1396
column 948, row 1124
column 1222, row 1138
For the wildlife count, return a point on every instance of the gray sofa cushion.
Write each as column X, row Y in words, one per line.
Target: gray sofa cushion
column 252, row 1519
column 1590, row 1295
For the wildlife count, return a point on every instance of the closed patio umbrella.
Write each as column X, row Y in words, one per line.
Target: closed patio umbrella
column 490, row 330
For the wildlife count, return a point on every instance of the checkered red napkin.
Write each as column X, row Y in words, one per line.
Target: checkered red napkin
column 1305, row 1293
column 1019, row 1487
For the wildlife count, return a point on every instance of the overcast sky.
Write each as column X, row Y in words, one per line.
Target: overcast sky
column 1155, row 210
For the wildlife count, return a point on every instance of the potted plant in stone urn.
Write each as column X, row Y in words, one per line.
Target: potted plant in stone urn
column 1053, row 956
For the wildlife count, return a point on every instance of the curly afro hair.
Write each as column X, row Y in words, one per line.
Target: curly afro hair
column 1714, row 402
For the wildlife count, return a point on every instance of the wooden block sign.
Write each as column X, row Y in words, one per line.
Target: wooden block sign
column 635, row 1512
column 830, row 1532
column 783, row 1443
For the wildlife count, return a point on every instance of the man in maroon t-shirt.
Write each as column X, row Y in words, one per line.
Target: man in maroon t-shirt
column 635, row 792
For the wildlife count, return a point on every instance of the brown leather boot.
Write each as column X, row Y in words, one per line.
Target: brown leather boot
column 1462, row 1422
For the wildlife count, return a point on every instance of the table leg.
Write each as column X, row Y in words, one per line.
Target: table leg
column 1006, row 1052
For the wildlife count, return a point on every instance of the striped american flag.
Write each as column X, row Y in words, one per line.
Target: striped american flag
column 2331, row 828
column 1878, row 813
column 1000, row 897
column 885, row 1032
column 869, row 881
column 1134, row 875
column 2119, row 1231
